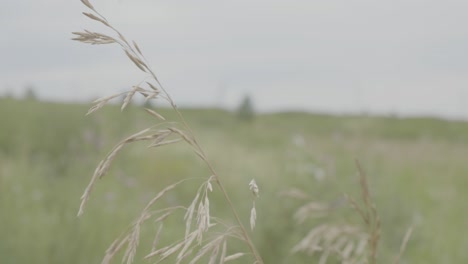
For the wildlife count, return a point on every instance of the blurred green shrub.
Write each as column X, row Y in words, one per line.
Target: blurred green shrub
column 246, row 110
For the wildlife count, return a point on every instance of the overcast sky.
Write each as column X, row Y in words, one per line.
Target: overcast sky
column 408, row 57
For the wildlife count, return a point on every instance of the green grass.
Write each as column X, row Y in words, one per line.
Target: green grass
column 48, row 151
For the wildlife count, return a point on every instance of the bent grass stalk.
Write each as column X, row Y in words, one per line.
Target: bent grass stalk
column 158, row 137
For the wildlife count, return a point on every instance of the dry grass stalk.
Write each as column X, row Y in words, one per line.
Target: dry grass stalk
column 404, row 243
column 200, row 206
column 368, row 213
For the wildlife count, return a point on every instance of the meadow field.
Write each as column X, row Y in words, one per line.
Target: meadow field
column 417, row 171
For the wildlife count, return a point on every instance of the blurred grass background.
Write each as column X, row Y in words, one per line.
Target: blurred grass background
column 417, row 171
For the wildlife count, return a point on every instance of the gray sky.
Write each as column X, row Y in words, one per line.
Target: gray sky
column 408, row 57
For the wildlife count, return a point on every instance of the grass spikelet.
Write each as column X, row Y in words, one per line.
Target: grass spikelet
column 189, row 214
column 159, row 137
column 152, row 86
column 155, row 114
column 101, row 102
column 88, row 4
column 233, row 257
column 93, row 38
column 94, row 17
column 129, row 97
column 254, row 188
column 141, row 65
column 253, row 217
column 137, row 48
column 183, row 134
column 253, row 212
column 149, row 95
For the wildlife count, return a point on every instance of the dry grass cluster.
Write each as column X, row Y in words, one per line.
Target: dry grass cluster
column 198, row 242
column 347, row 243
column 206, row 238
